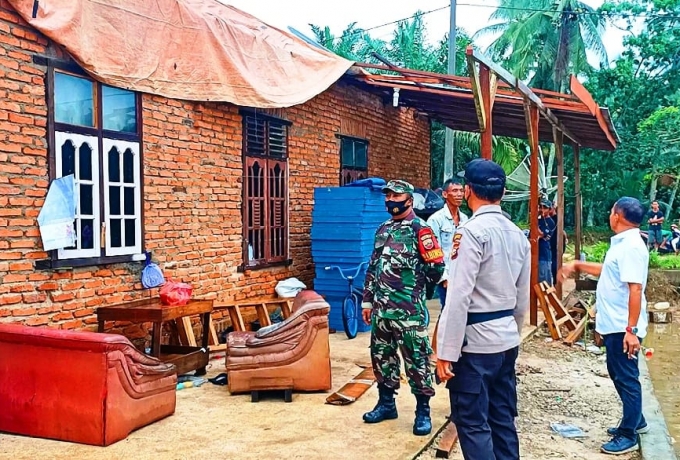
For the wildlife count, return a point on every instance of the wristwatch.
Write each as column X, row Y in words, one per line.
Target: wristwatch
column 631, row 330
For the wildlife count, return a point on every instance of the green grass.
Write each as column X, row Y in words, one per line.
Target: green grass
column 596, row 252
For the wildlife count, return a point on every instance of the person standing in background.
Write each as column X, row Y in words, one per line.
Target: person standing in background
column 655, row 220
column 546, row 229
column 553, row 242
column 444, row 224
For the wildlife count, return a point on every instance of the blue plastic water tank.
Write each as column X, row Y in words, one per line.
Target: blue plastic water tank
column 344, row 221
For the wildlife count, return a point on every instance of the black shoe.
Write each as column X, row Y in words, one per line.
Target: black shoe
column 386, row 409
column 423, row 424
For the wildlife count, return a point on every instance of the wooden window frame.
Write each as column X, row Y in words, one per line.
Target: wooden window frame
column 353, row 170
column 54, row 261
column 248, row 158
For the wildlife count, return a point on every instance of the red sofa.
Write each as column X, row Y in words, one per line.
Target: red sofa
column 79, row 386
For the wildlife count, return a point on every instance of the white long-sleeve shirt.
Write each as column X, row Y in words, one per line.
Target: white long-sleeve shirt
column 490, row 270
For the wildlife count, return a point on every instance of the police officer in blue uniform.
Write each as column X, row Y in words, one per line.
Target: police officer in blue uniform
column 480, row 327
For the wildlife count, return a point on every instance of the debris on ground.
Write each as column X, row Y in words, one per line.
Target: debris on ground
column 660, row 290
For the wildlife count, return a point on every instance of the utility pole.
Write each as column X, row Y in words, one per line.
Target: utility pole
column 448, row 143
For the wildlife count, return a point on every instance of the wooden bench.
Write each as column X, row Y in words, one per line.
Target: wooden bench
column 262, row 307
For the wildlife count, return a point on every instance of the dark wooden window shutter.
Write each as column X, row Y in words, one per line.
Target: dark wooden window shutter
column 265, row 191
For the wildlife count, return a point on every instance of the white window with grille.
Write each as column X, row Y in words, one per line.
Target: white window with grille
column 79, row 155
column 97, row 138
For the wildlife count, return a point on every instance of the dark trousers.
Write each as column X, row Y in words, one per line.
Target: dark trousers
column 553, row 265
column 545, row 271
column 483, row 394
column 625, row 374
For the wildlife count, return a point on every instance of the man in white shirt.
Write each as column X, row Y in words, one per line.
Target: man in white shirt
column 444, row 224
column 621, row 317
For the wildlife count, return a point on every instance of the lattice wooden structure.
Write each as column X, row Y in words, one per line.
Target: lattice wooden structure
column 557, row 315
column 233, row 307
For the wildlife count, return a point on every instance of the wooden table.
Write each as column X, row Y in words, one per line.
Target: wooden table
column 185, row 358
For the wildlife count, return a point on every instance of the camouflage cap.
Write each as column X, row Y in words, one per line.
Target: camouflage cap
column 398, row 186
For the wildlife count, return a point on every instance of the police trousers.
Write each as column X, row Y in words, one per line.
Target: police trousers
column 483, row 395
column 411, row 339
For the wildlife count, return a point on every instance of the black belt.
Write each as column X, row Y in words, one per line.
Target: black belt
column 476, row 318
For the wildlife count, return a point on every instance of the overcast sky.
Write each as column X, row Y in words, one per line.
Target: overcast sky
column 471, row 16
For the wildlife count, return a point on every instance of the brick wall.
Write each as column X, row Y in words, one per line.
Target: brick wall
column 192, row 188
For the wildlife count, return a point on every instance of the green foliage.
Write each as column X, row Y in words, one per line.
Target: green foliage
column 507, row 151
column 545, row 40
column 408, row 48
column 597, row 251
column 664, row 262
column 641, row 88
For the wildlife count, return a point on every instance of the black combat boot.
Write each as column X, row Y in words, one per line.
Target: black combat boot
column 386, row 409
column 422, row 425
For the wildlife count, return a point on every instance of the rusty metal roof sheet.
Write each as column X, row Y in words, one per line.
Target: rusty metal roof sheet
column 450, row 100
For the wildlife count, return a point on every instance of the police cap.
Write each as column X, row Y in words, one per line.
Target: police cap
column 481, row 171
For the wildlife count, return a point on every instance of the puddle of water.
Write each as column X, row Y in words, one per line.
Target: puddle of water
column 664, row 370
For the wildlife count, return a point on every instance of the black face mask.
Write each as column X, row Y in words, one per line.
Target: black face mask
column 396, row 207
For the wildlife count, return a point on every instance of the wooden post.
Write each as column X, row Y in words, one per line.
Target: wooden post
column 558, row 137
column 578, row 205
column 531, row 115
column 486, row 135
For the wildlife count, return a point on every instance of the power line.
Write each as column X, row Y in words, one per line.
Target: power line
column 528, row 10
column 422, row 13
column 607, row 15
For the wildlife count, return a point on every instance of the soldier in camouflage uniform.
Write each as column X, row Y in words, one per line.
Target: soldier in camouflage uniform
column 406, row 256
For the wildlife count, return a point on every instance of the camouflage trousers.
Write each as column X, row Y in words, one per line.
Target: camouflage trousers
column 411, row 339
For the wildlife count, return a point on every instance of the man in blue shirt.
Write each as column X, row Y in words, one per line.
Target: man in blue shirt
column 621, row 317
column 546, row 229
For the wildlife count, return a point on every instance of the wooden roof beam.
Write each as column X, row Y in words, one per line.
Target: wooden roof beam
column 523, row 89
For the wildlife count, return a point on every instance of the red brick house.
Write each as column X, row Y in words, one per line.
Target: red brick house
column 191, row 182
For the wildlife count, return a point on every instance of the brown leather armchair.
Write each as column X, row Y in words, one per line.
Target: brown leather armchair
column 293, row 354
column 79, row 386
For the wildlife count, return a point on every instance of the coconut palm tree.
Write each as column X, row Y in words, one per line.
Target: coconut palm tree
column 409, row 48
column 546, row 40
column 353, row 43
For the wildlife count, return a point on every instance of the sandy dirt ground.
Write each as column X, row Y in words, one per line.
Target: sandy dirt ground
column 209, row 423
column 566, row 385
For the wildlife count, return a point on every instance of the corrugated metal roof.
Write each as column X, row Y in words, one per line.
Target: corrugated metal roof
column 450, row 100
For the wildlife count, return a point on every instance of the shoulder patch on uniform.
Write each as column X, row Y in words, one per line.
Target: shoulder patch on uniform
column 429, row 247
column 456, row 244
